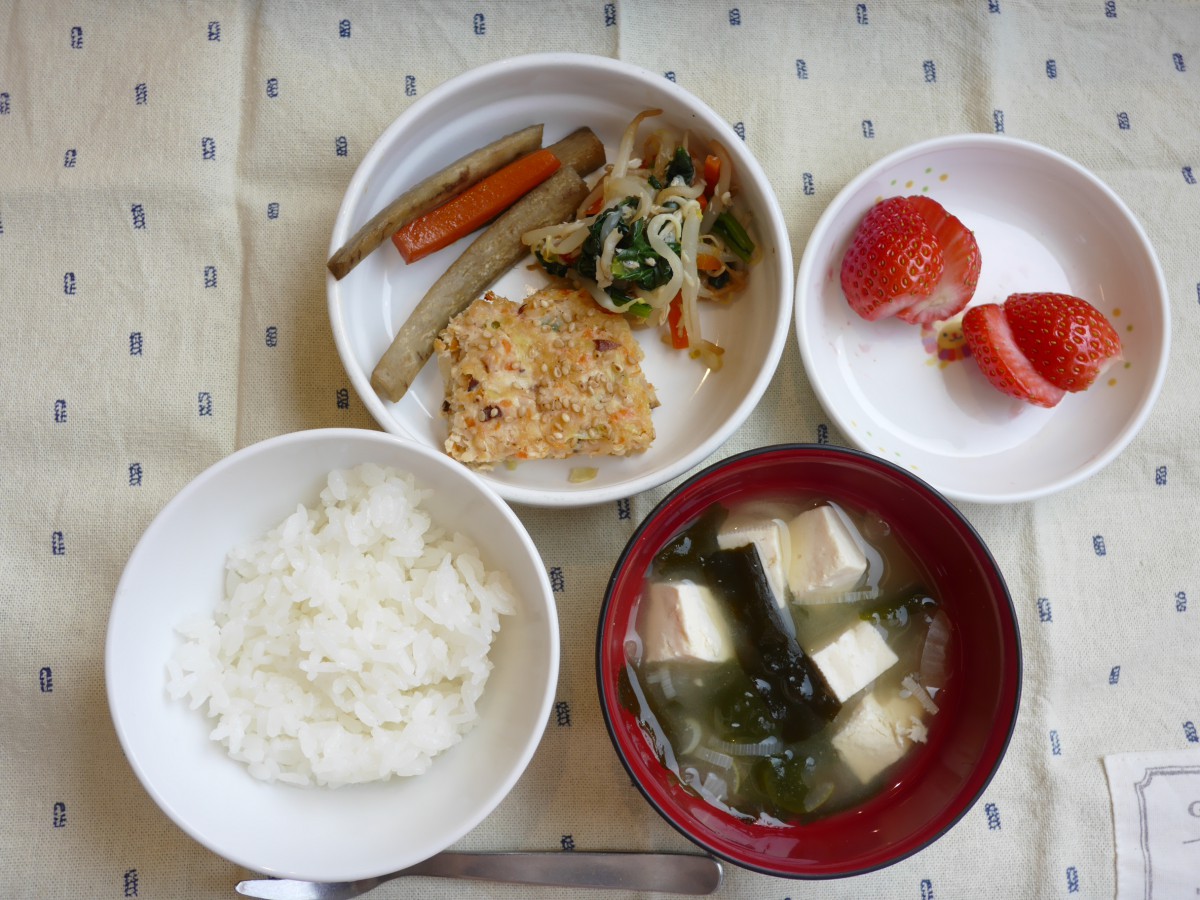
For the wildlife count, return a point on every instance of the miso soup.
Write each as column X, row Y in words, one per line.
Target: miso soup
column 787, row 658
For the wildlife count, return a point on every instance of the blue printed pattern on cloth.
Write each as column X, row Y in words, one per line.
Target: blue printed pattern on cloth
column 167, row 187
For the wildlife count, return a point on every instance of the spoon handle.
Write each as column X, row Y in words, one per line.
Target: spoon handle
column 675, row 873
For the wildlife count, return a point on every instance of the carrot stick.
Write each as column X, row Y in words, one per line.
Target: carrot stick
column 475, row 206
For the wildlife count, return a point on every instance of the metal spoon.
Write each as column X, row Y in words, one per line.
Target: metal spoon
column 672, row 873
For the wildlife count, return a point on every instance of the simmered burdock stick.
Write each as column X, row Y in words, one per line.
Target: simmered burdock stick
column 581, row 150
column 795, row 692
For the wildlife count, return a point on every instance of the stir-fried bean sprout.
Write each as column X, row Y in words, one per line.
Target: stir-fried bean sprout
column 657, row 234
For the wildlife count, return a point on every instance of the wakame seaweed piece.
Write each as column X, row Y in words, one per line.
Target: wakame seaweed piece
column 782, row 779
column 898, row 612
column 680, row 558
column 741, row 716
column 796, row 693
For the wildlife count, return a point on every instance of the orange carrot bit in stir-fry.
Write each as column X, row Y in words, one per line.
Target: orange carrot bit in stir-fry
column 712, row 172
column 475, row 207
column 679, row 337
column 596, row 205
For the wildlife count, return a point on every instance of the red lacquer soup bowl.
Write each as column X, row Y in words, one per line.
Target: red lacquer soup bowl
column 923, row 796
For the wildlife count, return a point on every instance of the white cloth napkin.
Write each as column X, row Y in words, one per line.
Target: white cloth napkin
column 1156, row 822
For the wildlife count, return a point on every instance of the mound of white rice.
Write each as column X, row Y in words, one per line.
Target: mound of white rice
column 352, row 643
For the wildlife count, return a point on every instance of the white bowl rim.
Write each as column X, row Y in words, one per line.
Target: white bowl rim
column 975, row 140
column 197, row 483
column 616, row 68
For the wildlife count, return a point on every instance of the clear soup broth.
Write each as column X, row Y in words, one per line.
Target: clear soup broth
column 788, row 658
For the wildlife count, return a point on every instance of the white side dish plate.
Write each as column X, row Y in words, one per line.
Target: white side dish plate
column 699, row 410
column 1043, row 223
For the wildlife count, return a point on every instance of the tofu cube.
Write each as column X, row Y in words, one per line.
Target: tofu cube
column 877, row 734
column 773, row 542
column 826, row 556
column 681, row 621
column 854, row 660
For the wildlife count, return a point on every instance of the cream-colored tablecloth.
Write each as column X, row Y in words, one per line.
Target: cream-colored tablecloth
column 169, row 175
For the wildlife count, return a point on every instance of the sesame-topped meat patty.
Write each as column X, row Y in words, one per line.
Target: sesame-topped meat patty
column 547, row 378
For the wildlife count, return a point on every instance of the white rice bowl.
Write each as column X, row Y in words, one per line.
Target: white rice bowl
column 177, row 574
column 352, row 641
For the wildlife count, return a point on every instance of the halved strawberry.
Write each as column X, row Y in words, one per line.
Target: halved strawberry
column 960, row 275
column 1000, row 359
column 1065, row 338
column 892, row 262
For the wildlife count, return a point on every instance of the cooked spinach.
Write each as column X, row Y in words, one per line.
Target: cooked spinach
column 681, row 166
column 635, row 263
column 735, row 235
column 636, row 267
column 719, row 281
column 553, row 267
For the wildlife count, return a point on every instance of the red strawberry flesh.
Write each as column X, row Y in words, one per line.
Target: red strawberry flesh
column 961, row 260
column 1000, row 359
column 1066, row 339
column 892, row 262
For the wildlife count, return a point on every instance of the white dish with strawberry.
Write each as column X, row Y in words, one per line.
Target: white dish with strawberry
column 1039, row 393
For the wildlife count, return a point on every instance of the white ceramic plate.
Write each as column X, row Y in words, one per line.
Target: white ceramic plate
column 176, row 572
column 565, row 91
column 1043, row 223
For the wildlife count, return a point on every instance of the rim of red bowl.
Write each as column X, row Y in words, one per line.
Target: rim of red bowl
column 710, row 828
